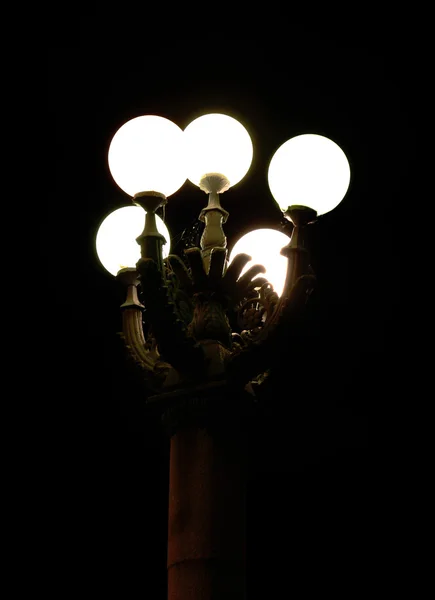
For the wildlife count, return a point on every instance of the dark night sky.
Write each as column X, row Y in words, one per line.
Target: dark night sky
column 316, row 473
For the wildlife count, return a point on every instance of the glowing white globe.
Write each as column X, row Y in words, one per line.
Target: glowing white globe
column 264, row 246
column 309, row 170
column 116, row 238
column 146, row 155
column 217, row 143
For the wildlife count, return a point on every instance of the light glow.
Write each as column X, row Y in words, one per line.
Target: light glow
column 264, row 246
column 217, row 143
column 116, row 238
column 146, row 155
column 309, row 170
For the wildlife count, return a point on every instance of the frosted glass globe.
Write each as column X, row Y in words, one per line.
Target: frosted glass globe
column 264, row 246
column 146, row 155
column 217, row 143
column 116, row 238
column 309, row 170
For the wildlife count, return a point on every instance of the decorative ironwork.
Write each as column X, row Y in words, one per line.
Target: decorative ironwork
column 206, row 321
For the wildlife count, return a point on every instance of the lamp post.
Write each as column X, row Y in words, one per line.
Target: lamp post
column 214, row 325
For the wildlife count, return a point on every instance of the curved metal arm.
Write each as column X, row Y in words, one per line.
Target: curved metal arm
column 265, row 348
column 264, row 344
column 299, row 272
column 173, row 344
column 143, row 353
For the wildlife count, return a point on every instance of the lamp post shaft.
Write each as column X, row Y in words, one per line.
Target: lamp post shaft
column 206, row 519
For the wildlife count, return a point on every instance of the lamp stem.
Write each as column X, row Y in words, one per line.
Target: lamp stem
column 213, row 235
column 150, row 240
column 213, row 216
column 296, row 252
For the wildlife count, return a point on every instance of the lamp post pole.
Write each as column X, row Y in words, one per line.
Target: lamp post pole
column 206, row 557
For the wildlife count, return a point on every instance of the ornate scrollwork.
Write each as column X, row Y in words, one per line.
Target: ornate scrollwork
column 207, row 321
column 254, row 312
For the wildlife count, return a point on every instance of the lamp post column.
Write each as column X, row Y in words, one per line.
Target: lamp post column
column 206, row 517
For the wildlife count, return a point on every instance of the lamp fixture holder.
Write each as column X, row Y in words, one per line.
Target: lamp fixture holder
column 206, row 323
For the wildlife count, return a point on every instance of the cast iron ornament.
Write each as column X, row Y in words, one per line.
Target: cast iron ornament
column 206, row 324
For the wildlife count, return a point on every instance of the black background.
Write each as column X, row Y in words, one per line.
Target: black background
column 317, row 475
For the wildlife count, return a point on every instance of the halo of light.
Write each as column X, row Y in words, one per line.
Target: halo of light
column 146, row 154
column 217, row 143
column 264, row 246
column 309, row 170
column 116, row 238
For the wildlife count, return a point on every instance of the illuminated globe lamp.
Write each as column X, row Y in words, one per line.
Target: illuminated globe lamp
column 308, row 176
column 146, row 160
column 116, row 243
column 219, row 153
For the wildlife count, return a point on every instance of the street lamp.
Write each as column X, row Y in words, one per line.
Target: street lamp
column 214, row 324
